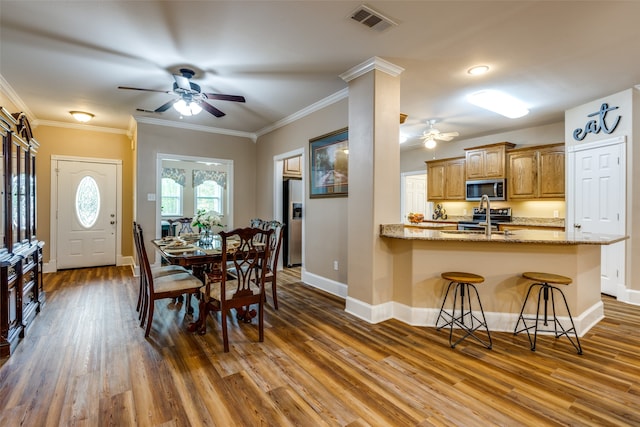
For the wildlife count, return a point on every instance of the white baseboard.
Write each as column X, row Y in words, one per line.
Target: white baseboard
column 630, row 296
column 324, row 284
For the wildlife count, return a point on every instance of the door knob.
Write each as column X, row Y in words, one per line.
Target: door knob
column 112, row 222
column 577, row 226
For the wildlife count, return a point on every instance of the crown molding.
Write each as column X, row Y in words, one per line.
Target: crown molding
column 13, row 97
column 329, row 100
column 200, row 128
column 374, row 63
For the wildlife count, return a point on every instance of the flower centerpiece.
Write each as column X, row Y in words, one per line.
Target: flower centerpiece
column 205, row 220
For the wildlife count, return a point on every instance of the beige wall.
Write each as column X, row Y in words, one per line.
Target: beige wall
column 82, row 143
column 155, row 139
column 325, row 219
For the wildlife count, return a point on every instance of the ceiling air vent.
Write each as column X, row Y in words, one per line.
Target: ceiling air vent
column 372, row 19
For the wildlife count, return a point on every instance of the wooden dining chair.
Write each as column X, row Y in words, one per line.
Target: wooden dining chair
column 161, row 287
column 159, row 271
column 180, row 226
column 243, row 252
column 275, row 243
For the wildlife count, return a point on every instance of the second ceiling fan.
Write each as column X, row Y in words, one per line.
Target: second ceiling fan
column 432, row 134
column 189, row 99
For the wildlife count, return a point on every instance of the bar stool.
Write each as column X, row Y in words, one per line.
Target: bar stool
column 463, row 283
column 544, row 281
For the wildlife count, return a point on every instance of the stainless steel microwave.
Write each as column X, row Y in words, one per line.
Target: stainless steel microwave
column 496, row 189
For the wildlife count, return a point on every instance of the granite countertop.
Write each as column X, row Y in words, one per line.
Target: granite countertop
column 399, row 231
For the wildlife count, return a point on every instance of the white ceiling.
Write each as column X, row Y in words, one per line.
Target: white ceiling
column 283, row 56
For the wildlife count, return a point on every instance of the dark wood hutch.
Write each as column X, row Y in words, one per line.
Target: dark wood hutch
column 21, row 291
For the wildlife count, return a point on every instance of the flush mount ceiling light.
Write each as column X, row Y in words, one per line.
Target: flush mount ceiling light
column 478, row 69
column 187, row 109
column 499, row 102
column 81, row 116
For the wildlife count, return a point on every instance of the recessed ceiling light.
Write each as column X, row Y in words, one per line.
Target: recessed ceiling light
column 478, row 69
column 81, row 116
column 499, row 102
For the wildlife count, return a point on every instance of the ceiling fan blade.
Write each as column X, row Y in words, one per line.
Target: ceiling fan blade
column 211, row 109
column 146, row 90
column 182, row 82
column 164, row 107
column 223, row 97
column 145, row 111
column 443, row 137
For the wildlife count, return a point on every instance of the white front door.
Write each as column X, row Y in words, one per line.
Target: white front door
column 87, row 214
column 600, row 205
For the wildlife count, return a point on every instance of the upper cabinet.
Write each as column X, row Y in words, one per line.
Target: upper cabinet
column 487, row 161
column 445, row 179
column 292, row 167
column 536, row 172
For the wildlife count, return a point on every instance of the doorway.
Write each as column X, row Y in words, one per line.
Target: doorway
column 278, row 196
column 599, row 202
column 86, row 196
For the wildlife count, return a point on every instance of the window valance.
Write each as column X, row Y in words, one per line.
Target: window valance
column 200, row 176
column 178, row 175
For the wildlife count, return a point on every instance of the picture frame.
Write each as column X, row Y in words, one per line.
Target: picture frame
column 329, row 165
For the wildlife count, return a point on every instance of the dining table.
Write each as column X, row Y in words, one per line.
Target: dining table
column 203, row 259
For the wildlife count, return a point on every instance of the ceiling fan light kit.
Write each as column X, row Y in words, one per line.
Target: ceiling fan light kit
column 432, row 134
column 190, row 109
column 81, row 116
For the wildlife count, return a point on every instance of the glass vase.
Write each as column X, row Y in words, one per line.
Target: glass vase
column 206, row 237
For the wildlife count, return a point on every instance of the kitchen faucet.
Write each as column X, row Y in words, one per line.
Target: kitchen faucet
column 488, row 223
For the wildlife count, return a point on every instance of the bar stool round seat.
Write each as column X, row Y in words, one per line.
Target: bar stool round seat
column 545, row 283
column 457, row 276
column 461, row 285
column 547, row 278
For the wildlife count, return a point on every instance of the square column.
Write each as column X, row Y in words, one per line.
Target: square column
column 374, row 184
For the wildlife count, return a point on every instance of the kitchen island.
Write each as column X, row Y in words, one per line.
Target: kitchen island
column 419, row 256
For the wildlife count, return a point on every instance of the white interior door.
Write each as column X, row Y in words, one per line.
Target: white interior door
column 415, row 195
column 87, row 214
column 600, row 205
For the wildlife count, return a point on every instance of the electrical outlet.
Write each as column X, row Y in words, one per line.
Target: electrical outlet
column 335, row 265
column 555, row 214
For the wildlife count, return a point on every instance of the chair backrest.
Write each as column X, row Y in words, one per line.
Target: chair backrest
column 180, row 226
column 145, row 267
column 243, row 252
column 256, row 223
column 275, row 242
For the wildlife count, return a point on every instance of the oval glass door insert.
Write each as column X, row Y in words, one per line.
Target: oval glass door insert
column 87, row 202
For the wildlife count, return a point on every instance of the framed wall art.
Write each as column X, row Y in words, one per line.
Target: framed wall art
column 329, row 164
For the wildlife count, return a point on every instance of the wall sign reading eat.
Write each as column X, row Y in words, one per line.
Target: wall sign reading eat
column 598, row 124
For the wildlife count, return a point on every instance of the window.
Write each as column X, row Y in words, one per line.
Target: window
column 208, row 196
column 171, row 198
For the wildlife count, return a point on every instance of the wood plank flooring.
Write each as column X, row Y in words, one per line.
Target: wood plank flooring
column 85, row 362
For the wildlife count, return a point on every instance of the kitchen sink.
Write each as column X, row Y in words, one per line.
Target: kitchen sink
column 508, row 233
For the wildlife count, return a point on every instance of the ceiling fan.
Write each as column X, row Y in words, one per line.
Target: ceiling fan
column 189, row 99
column 432, row 134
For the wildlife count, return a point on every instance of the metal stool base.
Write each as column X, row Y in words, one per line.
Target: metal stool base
column 468, row 322
column 558, row 329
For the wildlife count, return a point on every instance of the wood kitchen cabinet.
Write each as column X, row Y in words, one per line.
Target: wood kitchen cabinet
column 446, row 179
column 21, row 292
column 292, row 167
column 536, row 172
column 487, row 161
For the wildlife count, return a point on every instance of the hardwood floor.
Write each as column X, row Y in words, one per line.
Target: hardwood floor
column 85, row 362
